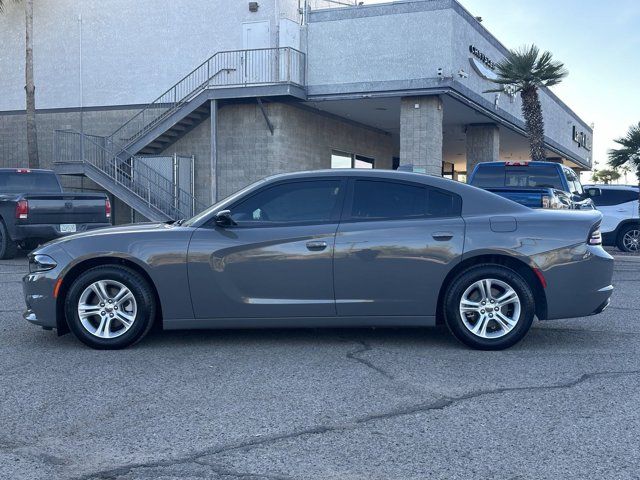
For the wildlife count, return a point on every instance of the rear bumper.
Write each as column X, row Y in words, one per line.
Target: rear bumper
column 48, row 232
column 578, row 280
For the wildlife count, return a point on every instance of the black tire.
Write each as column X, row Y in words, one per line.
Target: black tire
column 137, row 285
column 8, row 248
column 456, row 290
column 30, row 245
column 621, row 234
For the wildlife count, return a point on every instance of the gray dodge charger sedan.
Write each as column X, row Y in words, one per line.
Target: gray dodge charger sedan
column 329, row 248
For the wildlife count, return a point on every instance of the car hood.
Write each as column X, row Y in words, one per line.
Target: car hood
column 137, row 228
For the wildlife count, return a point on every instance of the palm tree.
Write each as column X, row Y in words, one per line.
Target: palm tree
column 30, row 89
column 526, row 70
column 629, row 152
column 606, row 175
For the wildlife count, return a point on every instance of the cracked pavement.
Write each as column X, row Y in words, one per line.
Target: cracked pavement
column 323, row 404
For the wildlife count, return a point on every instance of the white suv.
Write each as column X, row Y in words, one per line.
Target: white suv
column 619, row 207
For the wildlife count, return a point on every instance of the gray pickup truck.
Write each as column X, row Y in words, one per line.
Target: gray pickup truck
column 34, row 210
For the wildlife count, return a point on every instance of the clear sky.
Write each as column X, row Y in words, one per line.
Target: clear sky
column 599, row 43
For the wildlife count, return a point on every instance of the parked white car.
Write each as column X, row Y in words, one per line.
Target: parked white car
column 619, row 207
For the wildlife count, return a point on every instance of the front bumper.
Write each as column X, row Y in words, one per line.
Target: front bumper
column 38, row 289
column 579, row 280
column 48, row 232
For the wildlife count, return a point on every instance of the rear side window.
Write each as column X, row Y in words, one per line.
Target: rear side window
column 296, row 202
column 28, row 182
column 381, row 200
column 614, row 197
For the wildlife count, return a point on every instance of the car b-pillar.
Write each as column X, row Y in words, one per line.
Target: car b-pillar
column 421, row 134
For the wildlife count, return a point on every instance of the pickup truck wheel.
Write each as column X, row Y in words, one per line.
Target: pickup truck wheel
column 110, row 307
column 489, row 307
column 629, row 238
column 8, row 248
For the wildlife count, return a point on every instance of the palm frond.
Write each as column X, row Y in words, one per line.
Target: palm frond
column 527, row 67
column 629, row 152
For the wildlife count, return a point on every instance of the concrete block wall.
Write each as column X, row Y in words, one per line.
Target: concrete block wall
column 421, row 134
column 197, row 143
column 303, row 140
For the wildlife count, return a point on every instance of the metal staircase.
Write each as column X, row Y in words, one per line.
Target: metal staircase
column 153, row 195
column 109, row 161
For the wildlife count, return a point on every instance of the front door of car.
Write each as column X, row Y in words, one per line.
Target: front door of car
column 395, row 244
column 276, row 261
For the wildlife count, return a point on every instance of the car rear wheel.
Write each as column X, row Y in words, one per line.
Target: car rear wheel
column 489, row 307
column 8, row 248
column 110, row 307
column 629, row 238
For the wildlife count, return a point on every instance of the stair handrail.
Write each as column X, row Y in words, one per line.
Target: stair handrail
column 125, row 175
column 202, row 81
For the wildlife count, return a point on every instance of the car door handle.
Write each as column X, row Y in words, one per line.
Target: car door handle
column 442, row 236
column 316, row 246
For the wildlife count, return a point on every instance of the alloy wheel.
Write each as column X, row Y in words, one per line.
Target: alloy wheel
column 490, row 308
column 107, row 309
column 631, row 240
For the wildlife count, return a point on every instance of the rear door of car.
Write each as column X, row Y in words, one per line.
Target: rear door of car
column 616, row 205
column 395, row 244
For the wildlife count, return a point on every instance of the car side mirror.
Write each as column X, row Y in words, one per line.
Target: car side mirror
column 223, row 218
column 593, row 192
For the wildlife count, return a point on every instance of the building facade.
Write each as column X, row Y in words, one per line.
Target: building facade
column 247, row 89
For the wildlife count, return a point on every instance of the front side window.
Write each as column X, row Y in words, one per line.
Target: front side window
column 294, row 202
column 377, row 200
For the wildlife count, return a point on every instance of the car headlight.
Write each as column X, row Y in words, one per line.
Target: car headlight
column 41, row 263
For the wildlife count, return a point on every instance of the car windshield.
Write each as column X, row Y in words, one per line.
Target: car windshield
column 28, row 182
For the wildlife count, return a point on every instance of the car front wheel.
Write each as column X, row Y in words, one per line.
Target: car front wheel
column 110, row 307
column 489, row 307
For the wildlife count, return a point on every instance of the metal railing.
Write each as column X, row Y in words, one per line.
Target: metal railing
column 179, row 169
column 157, row 191
column 223, row 69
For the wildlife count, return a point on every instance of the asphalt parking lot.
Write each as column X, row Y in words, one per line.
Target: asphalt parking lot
column 323, row 404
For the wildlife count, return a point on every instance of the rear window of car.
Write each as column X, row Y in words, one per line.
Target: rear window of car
column 530, row 176
column 615, row 197
column 383, row 200
column 28, row 182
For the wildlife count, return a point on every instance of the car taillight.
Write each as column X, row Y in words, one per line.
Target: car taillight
column 22, row 210
column 107, row 208
column 595, row 237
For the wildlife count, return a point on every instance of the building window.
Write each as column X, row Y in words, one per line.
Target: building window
column 448, row 170
column 350, row 160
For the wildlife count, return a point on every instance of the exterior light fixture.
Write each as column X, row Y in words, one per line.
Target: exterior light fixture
column 253, row 6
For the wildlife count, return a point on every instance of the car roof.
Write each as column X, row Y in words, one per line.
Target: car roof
column 516, row 162
column 25, row 168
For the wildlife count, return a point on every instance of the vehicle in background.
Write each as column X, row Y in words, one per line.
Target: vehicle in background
column 533, row 184
column 34, row 209
column 619, row 207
